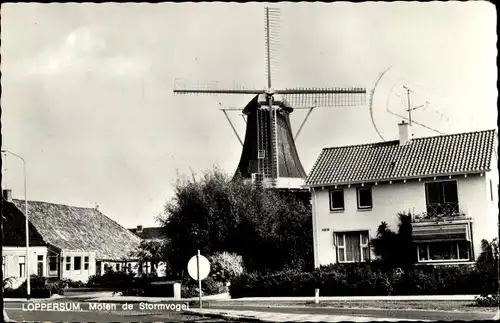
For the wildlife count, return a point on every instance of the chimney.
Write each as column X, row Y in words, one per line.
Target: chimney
column 7, row 195
column 404, row 133
column 139, row 229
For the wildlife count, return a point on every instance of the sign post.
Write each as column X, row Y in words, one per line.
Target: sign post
column 198, row 269
column 198, row 273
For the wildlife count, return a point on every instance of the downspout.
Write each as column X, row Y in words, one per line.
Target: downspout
column 315, row 228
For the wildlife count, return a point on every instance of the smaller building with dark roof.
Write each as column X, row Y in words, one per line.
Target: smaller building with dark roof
column 65, row 241
column 448, row 183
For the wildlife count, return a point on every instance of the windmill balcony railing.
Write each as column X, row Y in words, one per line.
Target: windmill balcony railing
column 441, row 212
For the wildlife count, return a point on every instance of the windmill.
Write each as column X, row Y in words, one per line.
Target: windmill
column 269, row 155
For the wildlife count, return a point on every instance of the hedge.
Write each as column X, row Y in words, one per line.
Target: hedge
column 40, row 287
column 362, row 280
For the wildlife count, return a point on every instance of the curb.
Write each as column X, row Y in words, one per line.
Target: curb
column 226, row 316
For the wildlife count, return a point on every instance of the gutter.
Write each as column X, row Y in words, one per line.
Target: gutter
column 382, row 180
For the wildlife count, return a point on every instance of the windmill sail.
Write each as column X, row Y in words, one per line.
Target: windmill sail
column 269, row 157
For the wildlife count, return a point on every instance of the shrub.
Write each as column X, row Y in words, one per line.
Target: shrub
column 40, row 288
column 209, row 286
column 225, row 266
column 487, row 301
column 360, row 280
column 395, row 250
column 72, row 283
column 487, row 268
column 112, row 279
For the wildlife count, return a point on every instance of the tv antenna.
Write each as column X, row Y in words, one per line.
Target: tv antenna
column 274, row 104
column 407, row 113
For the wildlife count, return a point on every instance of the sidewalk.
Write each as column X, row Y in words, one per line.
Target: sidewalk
column 359, row 298
column 109, row 297
column 253, row 316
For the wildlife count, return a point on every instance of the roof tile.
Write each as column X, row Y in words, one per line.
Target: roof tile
column 429, row 156
column 77, row 228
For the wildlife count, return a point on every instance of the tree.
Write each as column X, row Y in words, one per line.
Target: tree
column 487, row 266
column 154, row 252
column 215, row 213
column 395, row 249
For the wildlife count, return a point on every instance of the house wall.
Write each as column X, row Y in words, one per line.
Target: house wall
column 388, row 201
column 492, row 229
column 77, row 275
column 11, row 259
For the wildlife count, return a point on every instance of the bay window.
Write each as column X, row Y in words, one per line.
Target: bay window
column 444, row 251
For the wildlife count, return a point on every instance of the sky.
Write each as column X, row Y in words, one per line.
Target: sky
column 87, row 94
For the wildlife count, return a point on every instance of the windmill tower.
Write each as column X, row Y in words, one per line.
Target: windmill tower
column 269, row 157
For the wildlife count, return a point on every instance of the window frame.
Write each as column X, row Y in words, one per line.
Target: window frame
column 358, row 189
column 336, row 190
column 86, row 263
column 442, row 196
column 40, row 264
column 344, row 246
column 74, row 263
column 49, row 262
column 456, row 245
column 67, row 262
column 21, row 266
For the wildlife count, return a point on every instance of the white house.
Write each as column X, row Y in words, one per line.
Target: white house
column 448, row 183
column 65, row 241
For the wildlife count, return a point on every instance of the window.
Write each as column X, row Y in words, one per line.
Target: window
column 117, row 267
column 52, row 264
column 364, row 197
column 352, row 246
column 442, row 198
column 78, row 263
column 68, row 263
column 444, row 251
column 336, row 200
column 86, row 263
column 39, row 265
column 22, row 266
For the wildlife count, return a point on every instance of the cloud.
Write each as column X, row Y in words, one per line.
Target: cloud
column 85, row 50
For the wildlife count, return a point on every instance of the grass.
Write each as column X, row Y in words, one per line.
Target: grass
column 448, row 306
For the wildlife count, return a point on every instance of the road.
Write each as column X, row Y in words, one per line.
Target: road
column 374, row 313
column 22, row 312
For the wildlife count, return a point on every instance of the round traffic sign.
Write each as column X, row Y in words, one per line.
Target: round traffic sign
column 204, row 267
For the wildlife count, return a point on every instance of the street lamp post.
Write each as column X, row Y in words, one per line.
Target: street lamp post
column 27, row 269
